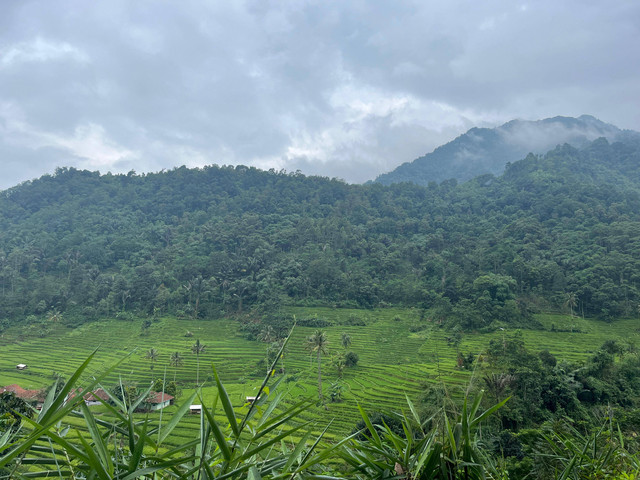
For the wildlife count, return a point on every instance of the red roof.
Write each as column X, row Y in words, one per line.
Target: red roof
column 24, row 394
column 158, row 397
column 95, row 396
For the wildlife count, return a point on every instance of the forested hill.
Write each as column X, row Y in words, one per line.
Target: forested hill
column 554, row 232
column 488, row 150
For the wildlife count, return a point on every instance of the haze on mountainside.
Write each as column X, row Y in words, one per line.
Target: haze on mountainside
column 339, row 89
column 488, row 150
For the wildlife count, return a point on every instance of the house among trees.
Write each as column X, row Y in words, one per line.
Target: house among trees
column 158, row 400
column 95, row 397
column 21, row 366
column 90, row 398
column 34, row 398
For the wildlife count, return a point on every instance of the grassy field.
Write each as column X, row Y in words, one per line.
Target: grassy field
column 399, row 354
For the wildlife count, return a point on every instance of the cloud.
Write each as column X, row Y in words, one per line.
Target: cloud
column 40, row 50
column 346, row 89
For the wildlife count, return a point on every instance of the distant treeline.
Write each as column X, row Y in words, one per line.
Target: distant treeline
column 560, row 231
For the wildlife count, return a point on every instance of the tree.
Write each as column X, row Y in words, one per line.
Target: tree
column 175, row 360
column 152, row 356
column 198, row 348
column 144, row 328
column 497, row 383
column 318, row 343
column 267, row 335
column 11, row 409
column 571, row 302
column 345, row 340
column 54, row 316
column 351, row 359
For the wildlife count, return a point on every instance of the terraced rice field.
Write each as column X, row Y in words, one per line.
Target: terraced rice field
column 399, row 354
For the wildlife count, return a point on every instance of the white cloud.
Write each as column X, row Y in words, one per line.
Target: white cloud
column 40, row 50
column 89, row 144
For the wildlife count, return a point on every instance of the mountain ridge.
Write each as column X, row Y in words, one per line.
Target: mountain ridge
column 488, row 150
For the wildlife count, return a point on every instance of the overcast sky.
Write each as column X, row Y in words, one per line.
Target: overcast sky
column 346, row 89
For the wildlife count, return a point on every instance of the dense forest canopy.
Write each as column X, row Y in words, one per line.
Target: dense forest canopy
column 557, row 231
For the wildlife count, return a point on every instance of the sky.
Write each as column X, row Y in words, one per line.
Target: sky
column 347, row 89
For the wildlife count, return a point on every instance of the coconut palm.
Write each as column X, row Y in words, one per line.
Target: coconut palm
column 339, row 362
column 54, row 316
column 152, row 356
column 198, row 348
column 318, row 343
column 571, row 301
column 345, row 340
column 497, row 383
column 175, row 360
column 268, row 336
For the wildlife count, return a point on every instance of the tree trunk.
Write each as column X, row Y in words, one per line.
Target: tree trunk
column 319, row 377
column 197, row 369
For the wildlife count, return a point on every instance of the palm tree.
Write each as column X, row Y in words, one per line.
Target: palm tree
column 497, row 383
column 198, row 348
column 571, row 301
column 268, row 336
column 175, row 361
column 345, row 340
column 152, row 356
column 54, row 316
column 340, row 363
column 318, row 343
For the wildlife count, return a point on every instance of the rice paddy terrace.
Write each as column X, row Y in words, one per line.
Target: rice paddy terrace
column 398, row 354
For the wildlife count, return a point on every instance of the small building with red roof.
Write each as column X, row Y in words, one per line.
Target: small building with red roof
column 158, row 400
column 32, row 397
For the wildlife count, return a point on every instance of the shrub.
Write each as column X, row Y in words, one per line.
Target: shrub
column 351, row 359
column 314, row 322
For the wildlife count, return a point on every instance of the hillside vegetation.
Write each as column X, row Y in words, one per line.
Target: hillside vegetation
column 424, row 306
column 558, row 232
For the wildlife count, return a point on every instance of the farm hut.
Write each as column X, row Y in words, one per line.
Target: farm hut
column 159, row 400
column 195, row 409
column 250, row 399
column 21, row 366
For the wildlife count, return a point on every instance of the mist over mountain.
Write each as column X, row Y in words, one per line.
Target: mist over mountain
column 488, row 150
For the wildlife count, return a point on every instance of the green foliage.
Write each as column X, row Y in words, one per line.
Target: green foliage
column 261, row 441
column 170, row 388
column 12, row 410
column 124, row 393
column 555, row 232
column 453, row 450
column 351, row 359
column 568, row 453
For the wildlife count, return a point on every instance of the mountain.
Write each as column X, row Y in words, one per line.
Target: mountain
column 488, row 150
column 219, row 240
